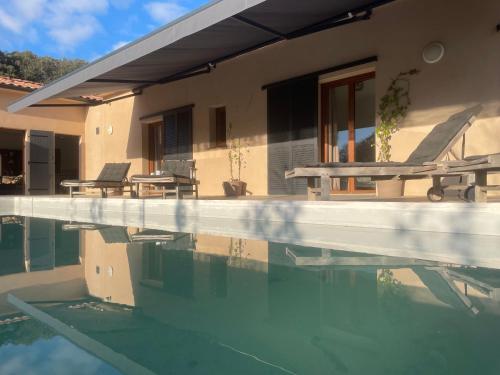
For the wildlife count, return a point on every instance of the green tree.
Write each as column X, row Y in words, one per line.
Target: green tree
column 26, row 65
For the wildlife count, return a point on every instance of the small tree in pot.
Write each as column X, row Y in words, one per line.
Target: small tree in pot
column 393, row 108
column 237, row 162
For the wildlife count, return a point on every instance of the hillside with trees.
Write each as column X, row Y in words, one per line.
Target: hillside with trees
column 26, row 65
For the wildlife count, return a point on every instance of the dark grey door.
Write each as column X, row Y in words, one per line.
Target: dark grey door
column 40, row 244
column 292, row 132
column 39, row 162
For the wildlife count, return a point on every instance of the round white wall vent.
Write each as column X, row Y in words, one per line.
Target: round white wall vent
column 433, row 52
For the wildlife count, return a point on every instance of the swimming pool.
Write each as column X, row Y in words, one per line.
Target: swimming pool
column 87, row 298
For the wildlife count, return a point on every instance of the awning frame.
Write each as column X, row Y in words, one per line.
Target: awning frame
column 201, row 19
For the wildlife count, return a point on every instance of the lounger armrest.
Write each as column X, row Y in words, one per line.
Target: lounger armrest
column 65, row 182
column 495, row 158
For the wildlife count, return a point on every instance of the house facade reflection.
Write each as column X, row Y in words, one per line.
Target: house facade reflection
column 39, row 261
column 182, row 300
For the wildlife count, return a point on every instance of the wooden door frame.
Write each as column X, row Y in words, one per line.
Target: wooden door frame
column 152, row 144
column 325, row 122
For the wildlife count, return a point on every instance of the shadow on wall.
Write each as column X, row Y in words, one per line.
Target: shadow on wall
column 281, row 222
column 460, row 247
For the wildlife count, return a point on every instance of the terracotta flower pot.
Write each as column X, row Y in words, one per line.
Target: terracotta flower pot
column 234, row 188
column 390, row 189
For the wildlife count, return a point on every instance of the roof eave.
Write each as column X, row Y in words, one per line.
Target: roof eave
column 198, row 20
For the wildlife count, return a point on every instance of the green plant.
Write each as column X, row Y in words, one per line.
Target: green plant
column 388, row 282
column 237, row 247
column 393, row 296
column 392, row 109
column 237, row 155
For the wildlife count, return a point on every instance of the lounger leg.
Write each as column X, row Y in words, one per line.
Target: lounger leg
column 178, row 192
column 481, row 192
column 196, row 190
column 311, row 189
column 103, row 194
column 71, row 192
column 436, row 182
column 325, row 187
column 137, row 190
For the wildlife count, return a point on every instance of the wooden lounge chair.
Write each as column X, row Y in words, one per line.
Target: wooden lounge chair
column 114, row 235
column 153, row 235
column 112, row 176
column 480, row 166
column 422, row 163
column 177, row 177
column 76, row 227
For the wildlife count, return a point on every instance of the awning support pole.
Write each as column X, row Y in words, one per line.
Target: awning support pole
column 259, row 26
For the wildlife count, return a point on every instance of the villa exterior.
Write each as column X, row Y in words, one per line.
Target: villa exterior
column 62, row 129
column 298, row 100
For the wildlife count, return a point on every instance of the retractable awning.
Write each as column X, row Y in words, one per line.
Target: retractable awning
column 195, row 43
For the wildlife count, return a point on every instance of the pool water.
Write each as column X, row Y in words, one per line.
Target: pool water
column 93, row 299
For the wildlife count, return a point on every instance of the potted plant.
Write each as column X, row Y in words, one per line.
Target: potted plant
column 392, row 109
column 237, row 161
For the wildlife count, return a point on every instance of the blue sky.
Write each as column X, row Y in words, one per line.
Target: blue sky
column 85, row 29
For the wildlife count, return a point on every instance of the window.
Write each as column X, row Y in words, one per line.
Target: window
column 170, row 137
column 218, row 127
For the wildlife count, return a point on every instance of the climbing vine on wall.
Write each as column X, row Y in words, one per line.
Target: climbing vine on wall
column 393, row 108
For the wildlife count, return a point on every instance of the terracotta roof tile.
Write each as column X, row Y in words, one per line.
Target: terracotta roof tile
column 19, row 83
column 22, row 84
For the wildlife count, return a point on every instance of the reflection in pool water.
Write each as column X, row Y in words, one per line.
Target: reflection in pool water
column 158, row 303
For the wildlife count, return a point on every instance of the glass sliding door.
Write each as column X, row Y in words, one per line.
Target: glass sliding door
column 348, row 127
column 338, row 115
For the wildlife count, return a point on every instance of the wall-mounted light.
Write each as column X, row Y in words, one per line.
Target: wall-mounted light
column 433, row 52
column 110, row 129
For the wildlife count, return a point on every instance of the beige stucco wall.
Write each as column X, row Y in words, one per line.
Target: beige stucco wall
column 233, row 247
column 70, row 121
column 125, row 142
column 62, row 283
column 114, row 271
column 109, row 268
column 397, row 33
